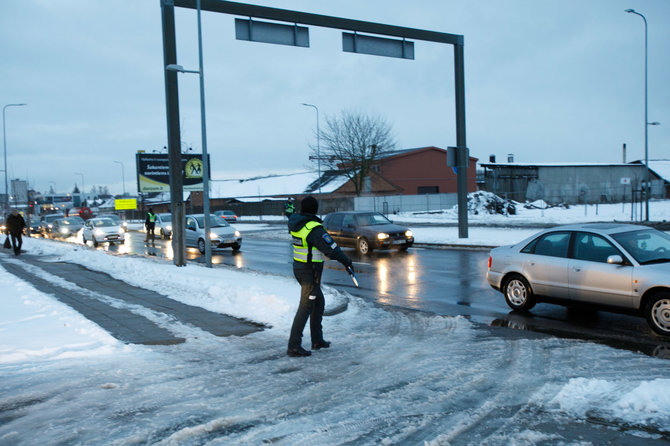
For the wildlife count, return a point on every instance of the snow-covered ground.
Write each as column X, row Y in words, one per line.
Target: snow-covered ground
column 390, row 377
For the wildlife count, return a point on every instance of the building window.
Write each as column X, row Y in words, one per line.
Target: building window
column 423, row 190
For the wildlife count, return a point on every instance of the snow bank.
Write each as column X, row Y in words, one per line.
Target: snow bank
column 249, row 295
column 35, row 326
column 642, row 403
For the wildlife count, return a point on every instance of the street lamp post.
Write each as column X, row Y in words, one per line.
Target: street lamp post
column 4, row 139
column 318, row 145
column 203, row 127
column 646, row 119
column 83, row 189
column 123, row 177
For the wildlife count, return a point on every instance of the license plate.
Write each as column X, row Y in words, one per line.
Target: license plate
column 398, row 242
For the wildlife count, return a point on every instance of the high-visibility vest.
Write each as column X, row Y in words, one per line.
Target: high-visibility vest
column 152, row 218
column 302, row 251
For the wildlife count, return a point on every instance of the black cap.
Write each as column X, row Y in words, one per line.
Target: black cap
column 309, row 205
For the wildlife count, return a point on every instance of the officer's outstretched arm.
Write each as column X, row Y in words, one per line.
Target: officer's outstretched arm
column 319, row 238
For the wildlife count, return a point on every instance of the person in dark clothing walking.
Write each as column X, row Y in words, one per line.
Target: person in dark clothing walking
column 310, row 241
column 150, row 225
column 15, row 224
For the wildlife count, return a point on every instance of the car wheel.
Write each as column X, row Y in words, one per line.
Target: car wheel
column 83, row 238
column 658, row 313
column 236, row 247
column 518, row 293
column 201, row 246
column 363, row 246
column 163, row 236
column 95, row 242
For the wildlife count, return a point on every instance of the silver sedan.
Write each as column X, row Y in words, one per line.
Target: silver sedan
column 616, row 267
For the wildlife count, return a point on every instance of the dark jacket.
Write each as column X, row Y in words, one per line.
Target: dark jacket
column 15, row 224
column 318, row 237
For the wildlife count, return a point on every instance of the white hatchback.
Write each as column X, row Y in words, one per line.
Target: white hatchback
column 103, row 230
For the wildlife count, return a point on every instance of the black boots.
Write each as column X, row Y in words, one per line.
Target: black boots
column 320, row 344
column 298, row 352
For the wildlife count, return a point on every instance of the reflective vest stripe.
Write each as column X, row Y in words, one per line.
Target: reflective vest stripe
column 302, row 251
column 152, row 218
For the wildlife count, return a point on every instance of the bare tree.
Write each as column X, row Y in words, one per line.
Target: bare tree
column 352, row 142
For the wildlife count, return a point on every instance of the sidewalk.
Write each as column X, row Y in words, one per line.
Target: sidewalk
column 131, row 314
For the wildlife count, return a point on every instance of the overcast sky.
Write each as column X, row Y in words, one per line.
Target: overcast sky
column 549, row 81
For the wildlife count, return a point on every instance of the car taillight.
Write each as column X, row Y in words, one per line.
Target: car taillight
column 490, row 260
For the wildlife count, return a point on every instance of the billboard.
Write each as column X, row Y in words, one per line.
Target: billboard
column 125, row 204
column 153, row 172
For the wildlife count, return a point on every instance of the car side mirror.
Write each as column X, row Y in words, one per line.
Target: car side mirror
column 615, row 260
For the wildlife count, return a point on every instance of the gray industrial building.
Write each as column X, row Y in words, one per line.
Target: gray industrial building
column 571, row 183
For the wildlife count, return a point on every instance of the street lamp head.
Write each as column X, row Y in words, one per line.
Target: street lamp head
column 654, row 123
column 174, row 67
column 631, row 11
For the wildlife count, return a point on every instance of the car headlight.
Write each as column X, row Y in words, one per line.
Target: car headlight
column 408, row 233
column 99, row 232
column 50, row 226
column 237, row 233
column 382, row 236
column 213, row 236
column 169, row 227
column 122, row 231
column 64, row 230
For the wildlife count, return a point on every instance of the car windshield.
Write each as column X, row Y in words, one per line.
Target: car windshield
column 115, row 218
column 371, row 219
column 103, row 222
column 214, row 221
column 165, row 217
column 646, row 246
column 72, row 221
column 50, row 218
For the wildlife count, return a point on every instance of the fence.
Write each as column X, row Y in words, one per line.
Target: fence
column 391, row 204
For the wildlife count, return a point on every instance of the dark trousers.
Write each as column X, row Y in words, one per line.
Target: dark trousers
column 312, row 304
column 17, row 242
column 151, row 229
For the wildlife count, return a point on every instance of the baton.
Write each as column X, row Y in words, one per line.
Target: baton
column 353, row 276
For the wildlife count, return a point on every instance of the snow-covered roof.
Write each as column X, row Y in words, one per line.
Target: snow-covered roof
column 277, row 185
column 661, row 167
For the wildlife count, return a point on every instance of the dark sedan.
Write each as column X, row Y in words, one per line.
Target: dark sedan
column 366, row 231
column 66, row 227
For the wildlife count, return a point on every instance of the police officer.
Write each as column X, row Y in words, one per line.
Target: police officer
column 310, row 242
column 150, row 225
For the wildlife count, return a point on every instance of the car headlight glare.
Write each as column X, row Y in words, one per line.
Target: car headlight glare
column 237, row 233
column 169, row 227
column 213, row 236
column 408, row 233
column 64, row 230
column 122, row 231
column 382, row 236
column 99, row 232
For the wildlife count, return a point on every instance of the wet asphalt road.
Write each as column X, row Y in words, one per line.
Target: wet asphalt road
column 448, row 282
